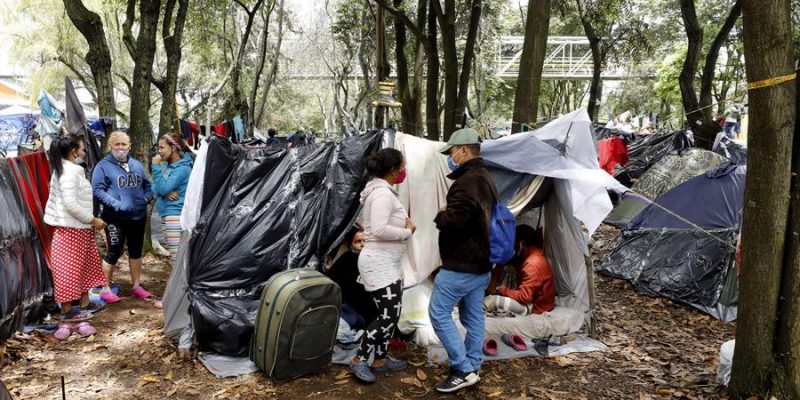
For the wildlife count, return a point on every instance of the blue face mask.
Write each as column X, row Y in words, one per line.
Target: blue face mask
column 451, row 164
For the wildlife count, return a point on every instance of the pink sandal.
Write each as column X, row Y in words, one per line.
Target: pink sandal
column 84, row 329
column 64, row 331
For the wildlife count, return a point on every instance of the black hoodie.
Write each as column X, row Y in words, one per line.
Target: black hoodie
column 464, row 224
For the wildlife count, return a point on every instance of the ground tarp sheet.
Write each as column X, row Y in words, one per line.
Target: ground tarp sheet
column 277, row 209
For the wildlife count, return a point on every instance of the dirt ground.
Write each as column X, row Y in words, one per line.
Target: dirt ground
column 658, row 350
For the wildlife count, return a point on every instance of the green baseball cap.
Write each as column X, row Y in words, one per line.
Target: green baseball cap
column 461, row 137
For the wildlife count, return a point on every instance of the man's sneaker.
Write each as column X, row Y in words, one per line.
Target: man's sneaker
column 140, row 293
column 109, row 297
column 457, row 380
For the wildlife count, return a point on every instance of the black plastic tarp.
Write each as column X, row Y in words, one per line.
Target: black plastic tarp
column 276, row 210
column 647, row 150
column 24, row 276
column 688, row 266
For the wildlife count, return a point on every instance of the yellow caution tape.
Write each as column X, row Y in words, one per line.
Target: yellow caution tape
column 771, row 81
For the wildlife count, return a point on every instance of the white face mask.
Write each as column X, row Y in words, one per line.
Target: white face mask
column 78, row 160
column 120, row 155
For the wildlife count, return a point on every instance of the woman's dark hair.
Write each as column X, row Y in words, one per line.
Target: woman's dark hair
column 60, row 149
column 529, row 236
column 179, row 140
column 381, row 163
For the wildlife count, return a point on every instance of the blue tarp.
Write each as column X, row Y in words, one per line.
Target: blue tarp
column 16, row 129
column 713, row 200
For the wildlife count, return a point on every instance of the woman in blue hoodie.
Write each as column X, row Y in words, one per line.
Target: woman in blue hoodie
column 171, row 170
column 119, row 183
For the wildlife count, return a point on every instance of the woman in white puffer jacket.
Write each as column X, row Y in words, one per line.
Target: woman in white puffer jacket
column 75, row 261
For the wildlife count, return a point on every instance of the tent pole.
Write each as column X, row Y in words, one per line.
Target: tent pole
column 590, row 286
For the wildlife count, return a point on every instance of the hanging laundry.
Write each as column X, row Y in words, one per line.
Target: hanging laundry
column 238, row 128
column 230, row 129
column 612, row 152
column 185, row 129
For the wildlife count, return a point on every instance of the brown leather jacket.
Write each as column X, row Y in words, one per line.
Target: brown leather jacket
column 464, row 224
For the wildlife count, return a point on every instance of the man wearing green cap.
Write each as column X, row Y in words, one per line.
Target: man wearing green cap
column 464, row 246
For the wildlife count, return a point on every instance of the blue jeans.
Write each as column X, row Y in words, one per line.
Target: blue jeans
column 466, row 290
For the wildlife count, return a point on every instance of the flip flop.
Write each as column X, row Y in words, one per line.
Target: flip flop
column 490, row 347
column 84, row 329
column 516, row 342
column 76, row 315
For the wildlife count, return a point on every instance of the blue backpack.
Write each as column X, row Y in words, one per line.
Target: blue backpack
column 502, row 232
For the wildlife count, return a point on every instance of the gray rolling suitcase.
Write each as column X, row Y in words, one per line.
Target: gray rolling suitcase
column 296, row 324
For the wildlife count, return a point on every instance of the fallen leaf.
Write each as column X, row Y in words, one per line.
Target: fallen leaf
column 151, row 379
column 168, row 377
column 171, row 392
column 344, row 374
column 341, row 381
column 495, row 394
column 90, row 339
column 421, row 375
column 664, row 391
column 417, row 363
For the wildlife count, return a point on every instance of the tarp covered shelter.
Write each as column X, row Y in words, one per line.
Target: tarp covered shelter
column 274, row 209
column 683, row 246
column 25, row 280
column 667, row 173
column 646, row 150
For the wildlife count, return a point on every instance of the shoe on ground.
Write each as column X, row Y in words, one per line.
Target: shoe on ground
column 392, row 364
column 84, row 329
column 363, row 372
column 109, row 297
column 140, row 293
column 63, row 332
column 75, row 315
column 456, row 381
column 93, row 307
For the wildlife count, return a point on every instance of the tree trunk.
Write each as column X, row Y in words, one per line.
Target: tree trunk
column 237, row 102
column 432, row 82
column 173, row 38
column 788, row 338
column 447, row 22
column 531, row 64
column 758, row 360
column 262, row 59
column 699, row 113
column 409, row 125
column 144, row 49
column 98, row 57
column 467, row 62
column 597, row 60
column 274, row 63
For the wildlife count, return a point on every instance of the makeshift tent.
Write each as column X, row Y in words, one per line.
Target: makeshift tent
column 683, row 246
column 555, row 167
column 666, row 174
column 25, row 280
column 274, row 209
column 271, row 210
column 647, row 150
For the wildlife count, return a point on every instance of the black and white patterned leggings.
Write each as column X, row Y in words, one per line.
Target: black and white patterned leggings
column 389, row 303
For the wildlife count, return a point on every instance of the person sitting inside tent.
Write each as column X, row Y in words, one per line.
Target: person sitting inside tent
column 358, row 309
column 535, row 290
